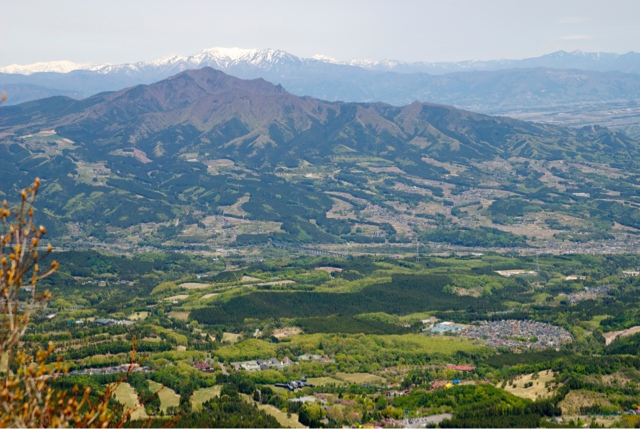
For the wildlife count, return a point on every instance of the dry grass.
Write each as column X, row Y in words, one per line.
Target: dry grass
column 139, row 315
column 610, row 336
column 179, row 315
column 236, row 209
column 126, row 395
column 581, row 398
column 329, row 269
column 360, row 378
column 191, row 286
column 215, row 166
column 230, row 337
column 279, row 282
column 538, row 390
column 286, row 332
column 177, row 297
column 341, row 210
column 473, row 292
column 201, row 396
column 209, row 295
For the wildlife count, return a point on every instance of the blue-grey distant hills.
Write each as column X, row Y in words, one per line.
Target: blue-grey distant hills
column 566, row 88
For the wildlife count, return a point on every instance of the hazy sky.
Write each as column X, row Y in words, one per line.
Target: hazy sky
column 115, row 31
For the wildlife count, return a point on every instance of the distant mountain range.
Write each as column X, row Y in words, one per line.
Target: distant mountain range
column 229, row 58
column 202, row 142
column 494, row 87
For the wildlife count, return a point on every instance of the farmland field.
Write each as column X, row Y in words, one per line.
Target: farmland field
column 201, row 396
column 126, row 395
column 168, row 398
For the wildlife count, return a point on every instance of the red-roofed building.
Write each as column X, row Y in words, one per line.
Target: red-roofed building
column 202, row 366
column 460, row 367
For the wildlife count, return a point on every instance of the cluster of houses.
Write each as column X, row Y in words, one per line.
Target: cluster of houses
column 587, row 293
column 514, row 334
column 110, row 322
column 103, row 283
column 261, row 365
column 314, row 358
column 444, row 327
column 120, row 369
column 518, row 334
column 274, row 363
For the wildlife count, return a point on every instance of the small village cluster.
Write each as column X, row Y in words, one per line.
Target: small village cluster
column 587, row 293
column 274, row 363
column 517, row 334
column 514, row 334
column 120, row 369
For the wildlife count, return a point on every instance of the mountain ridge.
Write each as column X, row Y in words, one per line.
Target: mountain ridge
column 206, row 98
column 264, row 58
column 202, row 147
column 548, row 95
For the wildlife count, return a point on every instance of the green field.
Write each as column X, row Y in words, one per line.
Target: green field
column 168, row 397
column 281, row 416
column 325, row 381
column 360, row 378
column 201, row 396
column 126, row 395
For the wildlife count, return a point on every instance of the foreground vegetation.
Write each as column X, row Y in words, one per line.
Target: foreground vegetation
column 366, row 318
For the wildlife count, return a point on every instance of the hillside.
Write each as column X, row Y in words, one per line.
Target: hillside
column 208, row 158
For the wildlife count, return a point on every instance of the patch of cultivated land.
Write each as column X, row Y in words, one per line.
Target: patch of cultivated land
column 537, row 390
column 325, row 381
column 474, row 292
column 180, row 315
column 201, row 396
column 168, row 397
column 360, row 378
column 229, row 337
column 176, row 297
column 209, row 295
column 286, row 332
column 250, row 279
column 139, row 315
column 609, row 337
column 341, row 210
column 329, row 269
column 236, row 209
column 194, row 285
column 575, row 399
column 281, row 416
column 258, row 227
column 279, row 282
column 126, row 395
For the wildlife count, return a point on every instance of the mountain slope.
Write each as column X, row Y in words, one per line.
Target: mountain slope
column 202, row 143
column 201, row 103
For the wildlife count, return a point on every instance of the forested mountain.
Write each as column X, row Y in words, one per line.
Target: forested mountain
column 203, row 142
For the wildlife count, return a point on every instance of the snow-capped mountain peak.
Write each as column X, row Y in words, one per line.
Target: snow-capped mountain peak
column 326, row 59
column 45, row 67
column 229, row 59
